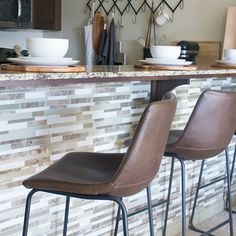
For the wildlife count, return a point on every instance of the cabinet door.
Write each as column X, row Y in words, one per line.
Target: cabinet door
column 9, row 14
column 47, row 14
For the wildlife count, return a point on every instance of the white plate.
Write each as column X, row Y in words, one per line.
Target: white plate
column 39, row 62
column 167, row 63
column 162, row 60
column 46, row 58
column 226, row 62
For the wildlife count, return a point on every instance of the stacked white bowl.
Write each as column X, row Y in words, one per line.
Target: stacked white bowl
column 47, row 47
column 230, row 54
column 165, row 52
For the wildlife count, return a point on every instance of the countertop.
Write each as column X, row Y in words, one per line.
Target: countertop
column 96, row 74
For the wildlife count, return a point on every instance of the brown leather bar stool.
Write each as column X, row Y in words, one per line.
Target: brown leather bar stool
column 101, row 176
column 207, row 133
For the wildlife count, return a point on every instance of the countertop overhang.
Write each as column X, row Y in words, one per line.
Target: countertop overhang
column 97, row 74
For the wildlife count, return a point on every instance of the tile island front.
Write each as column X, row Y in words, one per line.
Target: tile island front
column 45, row 115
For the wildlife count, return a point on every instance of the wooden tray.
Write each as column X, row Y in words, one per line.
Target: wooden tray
column 42, row 69
column 161, row 67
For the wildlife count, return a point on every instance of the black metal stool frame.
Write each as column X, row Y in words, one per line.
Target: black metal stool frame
column 199, row 186
column 231, row 178
column 68, row 195
column 151, row 206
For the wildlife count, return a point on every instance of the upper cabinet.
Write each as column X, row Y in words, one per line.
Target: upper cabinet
column 30, row 14
column 47, row 14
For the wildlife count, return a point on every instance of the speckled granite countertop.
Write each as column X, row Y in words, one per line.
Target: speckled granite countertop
column 109, row 74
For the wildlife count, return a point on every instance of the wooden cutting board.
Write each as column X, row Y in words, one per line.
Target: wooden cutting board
column 98, row 28
column 43, row 69
column 209, row 51
column 160, row 67
column 224, row 66
column 230, row 29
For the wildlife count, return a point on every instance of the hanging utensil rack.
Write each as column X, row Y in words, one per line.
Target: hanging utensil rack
column 127, row 6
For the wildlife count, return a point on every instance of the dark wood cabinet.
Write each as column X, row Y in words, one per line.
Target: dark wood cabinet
column 47, row 14
column 30, row 14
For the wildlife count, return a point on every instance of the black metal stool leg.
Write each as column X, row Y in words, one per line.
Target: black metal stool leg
column 229, row 193
column 191, row 224
column 199, row 186
column 168, row 196
column 66, row 215
column 117, row 220
column 183, row 177
column 124, row 216
column 231, row 178
column 150, row 215
column 27, row 212
column 233, row 164
column 183, row 189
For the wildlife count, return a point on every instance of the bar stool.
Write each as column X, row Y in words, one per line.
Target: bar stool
column 207, row 133
column 111, row 177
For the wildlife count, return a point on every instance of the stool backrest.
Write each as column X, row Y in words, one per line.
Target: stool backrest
column 211, row 125
column 143, row 158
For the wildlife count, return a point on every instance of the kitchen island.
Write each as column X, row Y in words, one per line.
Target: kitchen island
column 45, row 115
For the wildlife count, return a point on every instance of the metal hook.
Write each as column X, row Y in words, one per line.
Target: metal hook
column 135, row 19
column 93, row 9
column 85, row 10
column 113, row 10
column 172, row 17
column 163, row 6
column 120, row 22
column 182, row 4
column 128, row 8
column 143, row 8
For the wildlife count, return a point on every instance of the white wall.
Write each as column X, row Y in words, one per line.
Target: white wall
column 199, row 20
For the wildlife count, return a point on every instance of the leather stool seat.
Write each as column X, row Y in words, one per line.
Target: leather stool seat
column 186, row 151
column 79, row 172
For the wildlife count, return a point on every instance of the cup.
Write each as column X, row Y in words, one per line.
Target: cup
column 162, row 18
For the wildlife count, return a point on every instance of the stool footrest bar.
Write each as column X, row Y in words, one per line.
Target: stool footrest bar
column 145, row 209
column 208, row 232
column 212, row 182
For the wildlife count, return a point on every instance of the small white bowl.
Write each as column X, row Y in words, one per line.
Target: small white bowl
column 230, row 54
column 47, row 47
column 165, row 52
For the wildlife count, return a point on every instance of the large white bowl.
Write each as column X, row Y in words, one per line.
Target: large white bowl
column 47, row 47
column 230, row 54
column 165, row 52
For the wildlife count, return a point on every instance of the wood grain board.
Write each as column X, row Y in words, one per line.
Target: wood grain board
column 225, row 66
column 98, row 28
column 230, row 29
column 162, row 67
column 209, row 51
column 43, row 69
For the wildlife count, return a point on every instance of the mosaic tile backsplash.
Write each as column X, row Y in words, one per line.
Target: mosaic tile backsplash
column 38, row 125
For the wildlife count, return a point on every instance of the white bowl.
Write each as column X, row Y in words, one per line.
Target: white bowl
column 230, row 54
column 47, row 47
column 165, row 52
